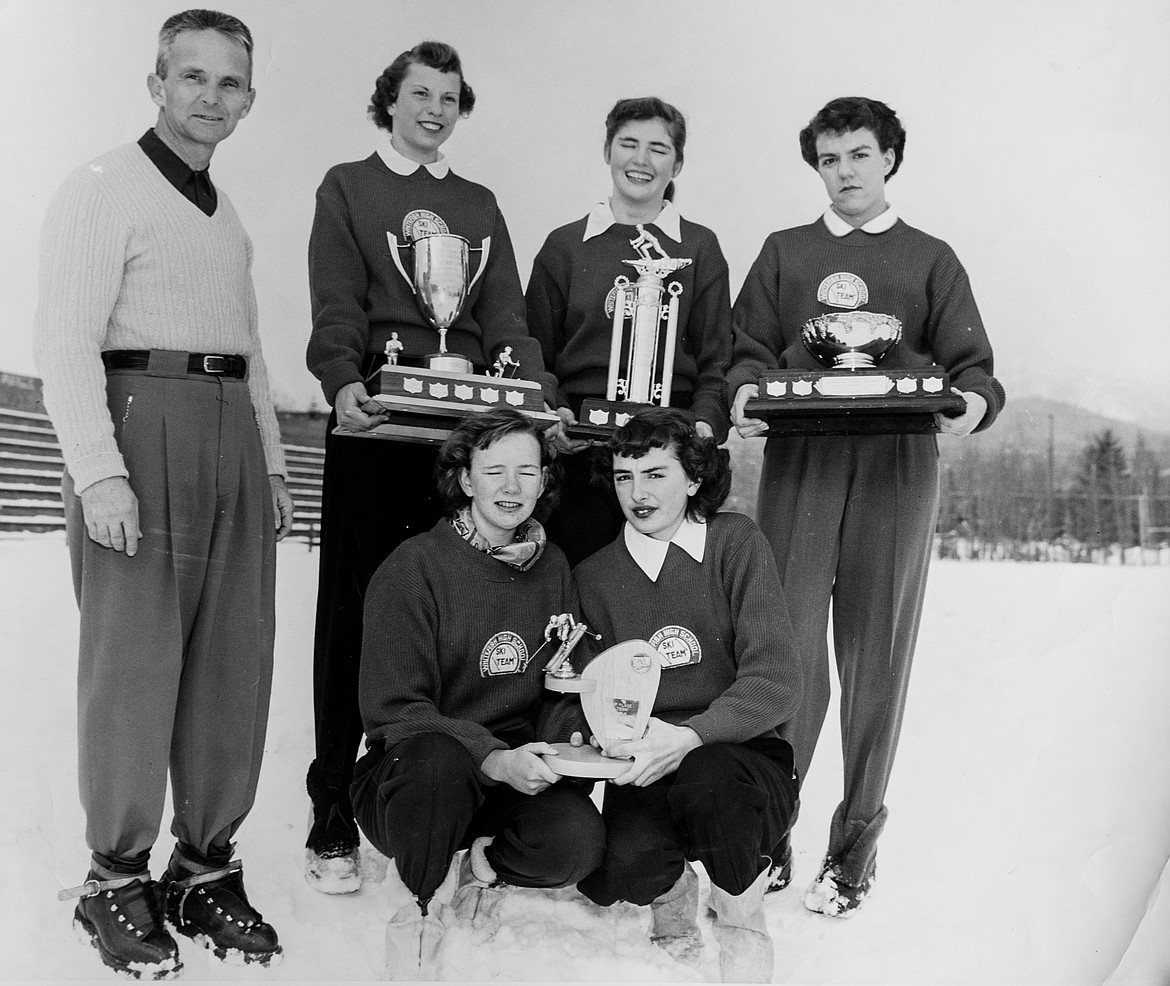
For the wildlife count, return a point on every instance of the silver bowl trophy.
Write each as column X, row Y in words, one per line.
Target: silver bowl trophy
column 617, row 691
column 645, row 333
column 853, row 395
column 425, row 403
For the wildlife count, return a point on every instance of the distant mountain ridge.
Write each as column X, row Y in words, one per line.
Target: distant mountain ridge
column 1024, row 425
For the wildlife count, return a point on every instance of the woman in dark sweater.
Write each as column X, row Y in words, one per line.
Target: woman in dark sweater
column 571, row 297
column 711, row 780
column 376, row 494
column 450, row 696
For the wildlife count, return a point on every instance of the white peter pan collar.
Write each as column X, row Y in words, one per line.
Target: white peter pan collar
column 404, row 166
column 601, row 218
column 650, row 553
column 878, row 224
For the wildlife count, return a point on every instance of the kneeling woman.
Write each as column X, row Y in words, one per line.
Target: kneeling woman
column 711, row 780
column 450, row 697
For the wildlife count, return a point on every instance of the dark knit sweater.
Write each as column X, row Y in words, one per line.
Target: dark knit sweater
column 448, row 641
column 748, row 679
column 910, row 275
column 359, row 297
column 566, row 296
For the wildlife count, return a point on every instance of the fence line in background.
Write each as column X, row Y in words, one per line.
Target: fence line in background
column 31, row 468
column 977, row 527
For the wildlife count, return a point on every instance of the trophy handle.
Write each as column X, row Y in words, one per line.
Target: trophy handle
column 485, row 249
column 395, row 246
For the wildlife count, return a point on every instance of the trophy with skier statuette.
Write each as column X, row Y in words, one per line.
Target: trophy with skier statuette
column 645, row 332
column 617, row 691
column 852, row 395
column 425, row 403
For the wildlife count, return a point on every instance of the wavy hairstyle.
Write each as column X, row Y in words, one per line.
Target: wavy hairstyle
column 482, row 431
column 851, row 113
column 649, row 108
column 434, row 54
column 199, row 19
column 702, row 460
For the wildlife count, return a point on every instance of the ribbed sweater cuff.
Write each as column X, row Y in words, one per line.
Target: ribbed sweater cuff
column 94, row 468
column 274, row 458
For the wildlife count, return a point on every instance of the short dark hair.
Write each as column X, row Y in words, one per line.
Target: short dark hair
column 482, row 431
column 649, row 108
column 702, row 460
column 433, row 54
column 851, row 113
column 199, row 19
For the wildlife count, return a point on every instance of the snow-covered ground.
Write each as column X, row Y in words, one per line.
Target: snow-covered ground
column 1029, row 823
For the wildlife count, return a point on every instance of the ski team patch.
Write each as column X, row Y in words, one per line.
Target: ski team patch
column 676, row 646
column 843, row 290
column 422, row 222
column 505, row 653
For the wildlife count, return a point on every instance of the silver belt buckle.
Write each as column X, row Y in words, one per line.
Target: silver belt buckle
column 209, row 368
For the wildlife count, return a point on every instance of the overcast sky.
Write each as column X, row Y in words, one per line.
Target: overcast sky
column 1039, row 142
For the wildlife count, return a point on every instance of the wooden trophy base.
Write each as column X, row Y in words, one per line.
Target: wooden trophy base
column 599, row 419
column 854, row 402
column 584, row 761
column 424, row 405
column 619, row 688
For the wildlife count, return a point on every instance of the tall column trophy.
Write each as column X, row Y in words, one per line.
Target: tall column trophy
column 853, row 395
column 617, row 691
column 645, row 333
column 425, row 403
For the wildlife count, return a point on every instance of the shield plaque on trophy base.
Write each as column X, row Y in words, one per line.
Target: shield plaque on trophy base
column 854, row 402
column 618, row 689
column 425, row 405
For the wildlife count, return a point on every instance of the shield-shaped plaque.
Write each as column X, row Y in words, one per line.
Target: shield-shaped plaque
column 618, row 707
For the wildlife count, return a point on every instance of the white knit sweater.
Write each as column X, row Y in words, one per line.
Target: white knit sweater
column 128, row 263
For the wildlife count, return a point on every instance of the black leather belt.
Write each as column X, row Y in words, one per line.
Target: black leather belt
column 211, row 364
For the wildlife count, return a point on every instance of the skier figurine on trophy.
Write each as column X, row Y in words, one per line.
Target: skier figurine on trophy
column 645, row 332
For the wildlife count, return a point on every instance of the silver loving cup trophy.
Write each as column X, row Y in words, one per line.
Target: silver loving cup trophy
column 441, row 285
column 644, row 381
column 851, row 340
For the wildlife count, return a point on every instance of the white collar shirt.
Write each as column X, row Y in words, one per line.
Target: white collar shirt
column 404, row 166
column 600, row 218
column 650, row 553
column 878, row 224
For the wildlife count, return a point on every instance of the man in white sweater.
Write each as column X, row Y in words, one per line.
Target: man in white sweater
column 175, row 496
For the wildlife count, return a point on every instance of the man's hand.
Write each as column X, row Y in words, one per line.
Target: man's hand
column 282, row 506
column 656, row 754
column 355, row 410
column 521, row 768
column 969, row 420
column 561, row 440
column 110, row 509
column 747, row 427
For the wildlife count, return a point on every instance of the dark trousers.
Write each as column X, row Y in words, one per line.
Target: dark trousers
column 851, row 521
column 376, row 493
column 175, row 664
column 726, row 806
column 425, row 798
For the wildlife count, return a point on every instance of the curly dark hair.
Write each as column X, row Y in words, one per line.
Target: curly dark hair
column 702, row 460
column 482, row 431
column 649, row 108
column 851, row 113
column 434, row 54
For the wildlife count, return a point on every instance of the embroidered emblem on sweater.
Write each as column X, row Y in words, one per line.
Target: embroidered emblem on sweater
column 422, row 222
column 505, row 653
column 843, row 290
column 676, row 646
column 611, row 299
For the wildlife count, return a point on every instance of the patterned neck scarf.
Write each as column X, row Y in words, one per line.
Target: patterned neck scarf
column 526, row 547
